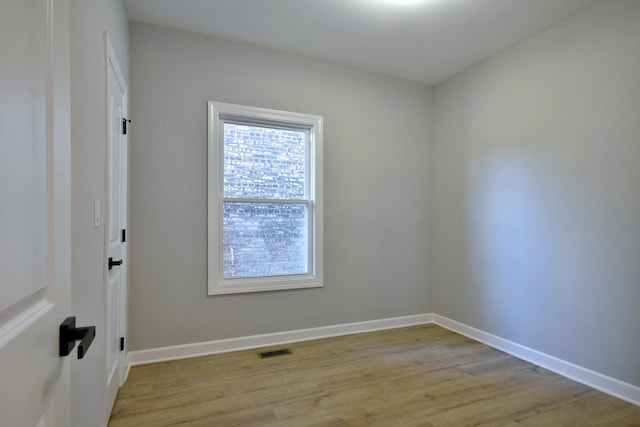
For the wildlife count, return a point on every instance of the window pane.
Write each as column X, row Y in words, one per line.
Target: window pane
column 264, row 239
column 264, row 163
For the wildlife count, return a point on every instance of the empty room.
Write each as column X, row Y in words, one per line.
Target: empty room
column 320, row 213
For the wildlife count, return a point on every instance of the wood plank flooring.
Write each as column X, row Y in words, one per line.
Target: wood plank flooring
column 418, row 376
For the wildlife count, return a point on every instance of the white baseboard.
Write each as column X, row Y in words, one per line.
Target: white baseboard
column 185, row 351
column 611, row 386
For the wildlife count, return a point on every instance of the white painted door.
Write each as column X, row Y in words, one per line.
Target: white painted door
column 117, row 224
column 35, row 197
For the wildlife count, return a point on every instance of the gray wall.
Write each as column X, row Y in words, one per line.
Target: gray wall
column 377, row 132
column 88, row 112
column 535, row 192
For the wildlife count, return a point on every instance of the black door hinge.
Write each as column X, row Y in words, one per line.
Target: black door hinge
column 124, row 125
column 124, row 236
column 121, row 343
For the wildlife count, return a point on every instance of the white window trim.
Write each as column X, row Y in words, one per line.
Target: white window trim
column 217, row 284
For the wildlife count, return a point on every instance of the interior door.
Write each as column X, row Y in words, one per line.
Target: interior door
column 116, row 229
column 35, row 196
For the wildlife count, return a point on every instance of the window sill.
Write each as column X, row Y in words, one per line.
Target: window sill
column 242, row 288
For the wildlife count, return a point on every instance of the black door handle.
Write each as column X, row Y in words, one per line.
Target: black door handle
column 112, row 262
column 69, row 334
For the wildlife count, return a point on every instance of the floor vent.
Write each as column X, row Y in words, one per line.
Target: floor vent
column 274, row 353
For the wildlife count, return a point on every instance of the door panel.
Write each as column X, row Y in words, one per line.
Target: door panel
column 35, row 261
column 23, row 157
column 112, row 350
column 115, row 188
column 117, row 213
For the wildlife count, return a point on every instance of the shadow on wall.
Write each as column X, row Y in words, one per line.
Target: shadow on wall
column 524, row 238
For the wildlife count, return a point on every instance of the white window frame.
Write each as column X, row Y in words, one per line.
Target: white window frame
column 218, row 113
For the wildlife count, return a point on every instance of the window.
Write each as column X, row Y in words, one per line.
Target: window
column 265, row 199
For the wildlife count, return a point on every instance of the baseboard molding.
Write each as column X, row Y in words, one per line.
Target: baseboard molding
column 162, row 354
column 611, row 386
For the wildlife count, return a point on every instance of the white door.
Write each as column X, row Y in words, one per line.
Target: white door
column 117, row 224
column 35, row 198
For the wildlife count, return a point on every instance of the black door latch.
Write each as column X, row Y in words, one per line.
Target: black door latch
column 112, row 263
column 69, row 334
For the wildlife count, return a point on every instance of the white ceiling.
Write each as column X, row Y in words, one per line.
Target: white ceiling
column 425, row 42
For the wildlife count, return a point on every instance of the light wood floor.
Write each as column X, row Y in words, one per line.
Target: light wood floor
column 419, row 376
